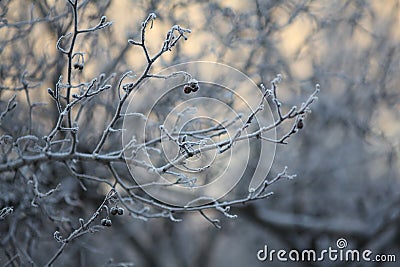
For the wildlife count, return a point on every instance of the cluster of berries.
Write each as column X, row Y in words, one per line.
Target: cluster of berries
column 191, row 86
column 114, row 211
column 78, row 66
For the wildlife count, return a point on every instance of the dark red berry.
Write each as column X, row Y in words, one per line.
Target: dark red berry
column 194, row 85
column 114, row 211
column 187, row 89
column 195, row 88
column 120, row 211
column 300, row 124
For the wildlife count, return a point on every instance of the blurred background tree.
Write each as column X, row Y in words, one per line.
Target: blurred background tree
column 346, row 158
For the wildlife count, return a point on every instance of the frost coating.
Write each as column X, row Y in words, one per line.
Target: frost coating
column 204, row 153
